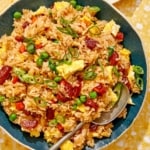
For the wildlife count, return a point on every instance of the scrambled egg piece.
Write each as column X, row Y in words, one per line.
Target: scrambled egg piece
column 66, row 70
column 61, row 5
column 40, row 11
column 67, row 145
column 111, row 27
column 125, row 51
column 86, row 20
column 81, row 108
column 108, row 73
column 131, row 74
column 34, row 133
column 2, row 52
column 113, row 96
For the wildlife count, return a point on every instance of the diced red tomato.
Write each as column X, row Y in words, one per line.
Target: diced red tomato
column 120, row 36
column 20, row 105
column 29, row 124
column 113, row 59
column 100, row 89
column 90, row 43
column 60, row 127
column 22, row 48
column 91, row 104
column 50, row 113
column 5, row 73
column 126, row 82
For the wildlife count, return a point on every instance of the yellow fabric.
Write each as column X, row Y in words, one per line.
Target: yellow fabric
column 137, row 137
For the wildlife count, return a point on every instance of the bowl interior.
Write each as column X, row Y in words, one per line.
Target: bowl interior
column 131, row 42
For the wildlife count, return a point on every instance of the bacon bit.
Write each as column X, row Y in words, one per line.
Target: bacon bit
column 39, row 46
column 90, row 43
column 60, row 127
column 71, row 91
column 123, row 70
column 93, row 127
column 120, row 36
column 35, row 115
column 26, row 112
column 15, row 79
column 5, row 73
column 22, row 48
column 19, row 38
column 50, row 113
column 126, row 82
column 20, row 105
column 91, row 104
column 113, row 59
column 100, row 89
column 61, row 97
column 29, row 124
column 25, row 24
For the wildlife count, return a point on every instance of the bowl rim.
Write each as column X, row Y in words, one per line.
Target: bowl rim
column 147, row 75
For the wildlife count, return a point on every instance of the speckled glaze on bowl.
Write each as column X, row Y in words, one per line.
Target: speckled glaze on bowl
column 132, row 42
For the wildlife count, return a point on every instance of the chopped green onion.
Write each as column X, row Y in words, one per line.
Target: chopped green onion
column 2, row 98
column 57, row 79
column 28, row 79
column 60, row 119
column 79, row 7
column 64, row 22
column 110, row 51
column 68, row 30
column 74, row 52
column 12, row 116
column 118, row 89
column 139, row 82
column 89, row 75
column 94, row 9
column 115, row 71
column 53, row 122
column 93, row 94
column 50, row 83
column 17, row 15
column 67, row 58
column 55, row 41
column 94, row 30
column 138, row 69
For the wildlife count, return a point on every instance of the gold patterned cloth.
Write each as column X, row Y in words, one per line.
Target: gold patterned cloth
column 137, row 137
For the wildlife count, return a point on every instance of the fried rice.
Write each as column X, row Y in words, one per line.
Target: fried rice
column 60, row 66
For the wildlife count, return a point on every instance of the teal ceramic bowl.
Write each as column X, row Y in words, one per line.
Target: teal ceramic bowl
column 132, row 42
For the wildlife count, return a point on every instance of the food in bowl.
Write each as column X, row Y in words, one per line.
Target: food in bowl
column 60, row 66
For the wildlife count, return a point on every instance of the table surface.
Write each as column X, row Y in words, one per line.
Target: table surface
column 137, row 137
